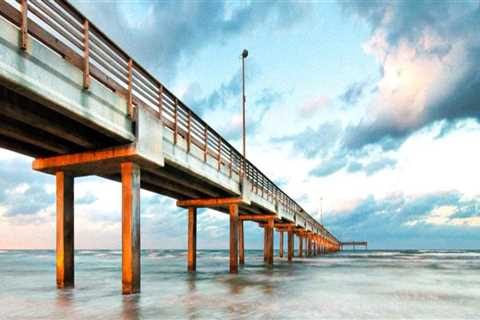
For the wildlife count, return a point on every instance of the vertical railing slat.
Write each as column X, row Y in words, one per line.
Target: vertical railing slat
column 189, row 130
column 219, row 158
column 205, row 137
column 130, row 97
column 24, row 24
column 175, row 121
column 86, row 55
column 160, row 103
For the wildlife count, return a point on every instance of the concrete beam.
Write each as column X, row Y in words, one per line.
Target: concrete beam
column 257, row 217
column 210, row 203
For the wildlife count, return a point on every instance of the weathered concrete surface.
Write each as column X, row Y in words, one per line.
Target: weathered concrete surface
column 44, row 75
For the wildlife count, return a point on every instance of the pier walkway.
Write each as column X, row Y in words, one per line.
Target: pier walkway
column 79, row 105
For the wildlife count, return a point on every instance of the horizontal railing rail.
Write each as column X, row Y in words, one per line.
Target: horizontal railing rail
column 65, row 30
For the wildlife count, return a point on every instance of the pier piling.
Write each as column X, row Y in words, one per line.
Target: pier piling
column 233, row 209
column 130, row 227
column 290, row 244
column 192, row 239
column 241, row 243
column 65, row 230
column 280, row 244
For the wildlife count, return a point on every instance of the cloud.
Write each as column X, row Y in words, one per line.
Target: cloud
column 313, row 106
column 257, row 110
column 372, row 167
column 88, row 198
column 430, row 62
column 23, row 191
column 162, row 34
column 219, row 98
column 354, row 92
column 409, row 221
column 329, row 166
column 313, row 142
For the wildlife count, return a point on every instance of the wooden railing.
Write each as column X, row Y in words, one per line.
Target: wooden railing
column 62, row 28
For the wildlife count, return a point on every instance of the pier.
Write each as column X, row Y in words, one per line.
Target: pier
column 79, row 105
column 354, row 244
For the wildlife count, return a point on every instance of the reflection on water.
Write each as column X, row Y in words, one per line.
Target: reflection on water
column 130, row 307
column 361, row 285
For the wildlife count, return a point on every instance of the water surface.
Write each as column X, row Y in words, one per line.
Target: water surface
column 347, row 285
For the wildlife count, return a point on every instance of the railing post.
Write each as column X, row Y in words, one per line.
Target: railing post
column 189, row 130
column 86, row 55
column 230, row 163
column 205, row 136
column 130, row 97
column 160, row 103
column 219, row 159
column 175, row 121
column 24, row 25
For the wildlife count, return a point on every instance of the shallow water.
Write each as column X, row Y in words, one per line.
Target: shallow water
column 348, row 285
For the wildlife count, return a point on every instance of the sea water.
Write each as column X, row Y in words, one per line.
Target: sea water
column 346, row 285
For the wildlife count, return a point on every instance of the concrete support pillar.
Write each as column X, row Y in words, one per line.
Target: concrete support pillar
column 269, row 241
column 233, row 208
column 280, row 246
column 65, row 231
column 290, row 244
column 130, row 228
column 309, row 247
column 192, row 240
column 300, row 246
column 241, row 243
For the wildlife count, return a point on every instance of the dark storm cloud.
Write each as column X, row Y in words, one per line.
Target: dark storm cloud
column 408, row 21
column 22, row 190
column 171, row 31
column 386, row 220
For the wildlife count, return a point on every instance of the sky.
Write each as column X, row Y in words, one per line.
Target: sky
column 366, row 111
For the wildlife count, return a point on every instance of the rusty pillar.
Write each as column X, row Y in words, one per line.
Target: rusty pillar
column 130, row 228
column 65, row 231
column 192, row 239
column 269, row 241
column 280, row 244
column 241, row 243
column 233, row 208
column 290, row 244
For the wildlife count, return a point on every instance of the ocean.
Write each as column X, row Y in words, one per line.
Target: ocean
column 347, row 285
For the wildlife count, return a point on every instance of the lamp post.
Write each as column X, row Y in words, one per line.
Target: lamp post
column 244, row 56
column 321, row 211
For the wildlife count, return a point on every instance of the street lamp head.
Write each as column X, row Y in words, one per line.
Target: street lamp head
column 244, row 53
